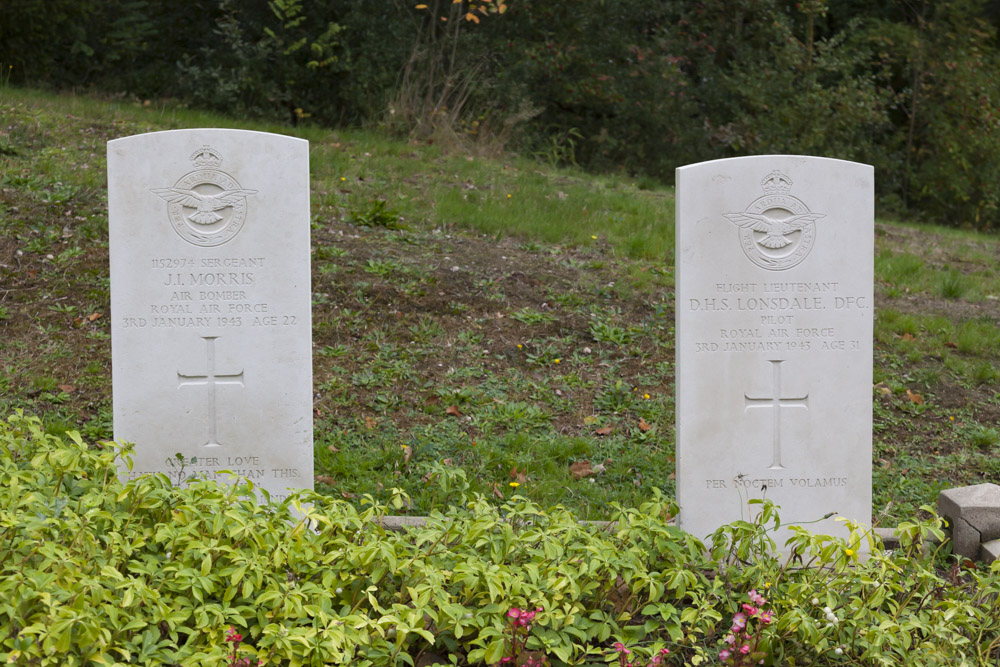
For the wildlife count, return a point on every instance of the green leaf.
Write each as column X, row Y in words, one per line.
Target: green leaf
column 494, row 651
column 564, row 652
column 237, row 575
column 206, row 565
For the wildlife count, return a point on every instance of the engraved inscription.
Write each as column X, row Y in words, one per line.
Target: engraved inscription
column 173, row 263
column 762, row 484
column 211, row 379
column 220, row 279
column 190, row 298
column 776, row 402
column 779, row 317
column 219, row 468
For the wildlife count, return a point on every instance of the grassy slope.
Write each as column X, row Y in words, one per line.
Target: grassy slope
column 518, row 323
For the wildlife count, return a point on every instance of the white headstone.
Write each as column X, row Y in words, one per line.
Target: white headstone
column 774, row 284
column 211, row 306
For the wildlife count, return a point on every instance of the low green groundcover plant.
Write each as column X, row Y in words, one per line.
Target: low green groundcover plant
column 94, row 572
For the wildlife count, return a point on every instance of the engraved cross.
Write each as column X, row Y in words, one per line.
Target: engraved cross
column 212, row 379
column 776, row 401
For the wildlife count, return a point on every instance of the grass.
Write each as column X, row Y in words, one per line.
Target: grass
column 512, row 198
column 497, row 315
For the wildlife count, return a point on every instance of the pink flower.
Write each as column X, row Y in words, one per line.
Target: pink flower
column 621, row 648
column 233, row 636
column 739, row 621
column 522, row 618
column 757, row 598
column 745, row 649
column 659, row 656
column 767, row 616
column 724, row 655
column 730, row 639
column 750, row 609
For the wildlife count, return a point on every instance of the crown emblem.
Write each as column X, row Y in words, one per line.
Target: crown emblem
column 206, row 156
column 776, row 182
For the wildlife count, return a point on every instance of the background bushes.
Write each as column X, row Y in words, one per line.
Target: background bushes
column 908, row 86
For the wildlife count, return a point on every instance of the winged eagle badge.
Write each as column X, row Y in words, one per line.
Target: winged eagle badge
column 207, row 205
column 776, row 231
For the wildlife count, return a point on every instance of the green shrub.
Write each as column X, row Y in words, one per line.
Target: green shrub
column 96, row 572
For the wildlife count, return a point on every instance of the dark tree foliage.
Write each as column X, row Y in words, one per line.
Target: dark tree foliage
column 910, row 86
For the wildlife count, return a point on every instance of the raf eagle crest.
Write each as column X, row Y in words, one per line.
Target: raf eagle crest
column 777, row 231
column 207, row 207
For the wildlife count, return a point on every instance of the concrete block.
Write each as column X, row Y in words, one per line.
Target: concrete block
column 990, row 551
column 889, row 539
column 973, row 512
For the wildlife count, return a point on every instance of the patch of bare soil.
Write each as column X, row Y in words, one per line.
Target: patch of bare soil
column 468, row 291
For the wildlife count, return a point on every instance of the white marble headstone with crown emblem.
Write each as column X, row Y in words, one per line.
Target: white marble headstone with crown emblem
column 210, row 305
column 774, row 289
